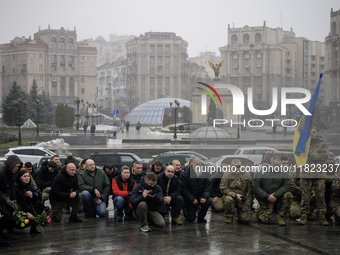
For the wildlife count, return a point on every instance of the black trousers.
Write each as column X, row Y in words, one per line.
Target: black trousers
column 189, row 210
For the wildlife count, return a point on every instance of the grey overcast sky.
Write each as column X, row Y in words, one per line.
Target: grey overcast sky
column 202, row 23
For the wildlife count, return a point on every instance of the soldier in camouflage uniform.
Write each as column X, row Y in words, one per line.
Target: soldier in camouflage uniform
column 318, row 153
column 237, row 193
column 295, row 209
column 335, row 199
column 271, row 189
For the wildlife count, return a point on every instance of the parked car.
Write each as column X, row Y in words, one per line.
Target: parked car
column 167, row 158
column 117, row 159
column 2, row 160
column 244, row 160
column 255, row 152
column 193, row 153
column 62, row 160
column 29, row 153
column 288, row 154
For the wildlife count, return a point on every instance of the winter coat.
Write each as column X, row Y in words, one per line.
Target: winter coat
column 63, row 185
column 97, row 181
column 174, row 188
column 45, row 177
column 123, row 188
column 7, row 178
column 154, row 203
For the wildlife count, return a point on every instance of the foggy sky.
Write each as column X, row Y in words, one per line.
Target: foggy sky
column 202, row 23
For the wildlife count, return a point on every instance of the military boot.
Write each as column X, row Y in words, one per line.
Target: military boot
column 176, row 221
column 303, row 219
column 229, row 220
column 323, row 222
column 280, row 221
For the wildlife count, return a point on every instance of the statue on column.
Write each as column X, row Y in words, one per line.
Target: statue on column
column 216, row 68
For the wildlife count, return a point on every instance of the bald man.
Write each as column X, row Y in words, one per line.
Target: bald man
column 95, row 188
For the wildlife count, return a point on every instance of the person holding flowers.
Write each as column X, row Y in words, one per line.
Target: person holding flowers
column 27, row 198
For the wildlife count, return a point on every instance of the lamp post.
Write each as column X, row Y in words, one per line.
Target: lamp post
column 87, row 112
column 38, row 116
column 177, row 103
column 18, row 102
column 93, row 106
column 77, row 102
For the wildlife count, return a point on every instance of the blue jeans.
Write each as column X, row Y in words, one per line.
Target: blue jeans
column 121, row 203
column 90, row 205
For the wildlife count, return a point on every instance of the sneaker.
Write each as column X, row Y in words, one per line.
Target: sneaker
column 177, row 221
column 303, row 219
column 202, row 220
column 280, row 221
column 145, row 228
column 323, row 222
column 75, row 218
column 229, row 220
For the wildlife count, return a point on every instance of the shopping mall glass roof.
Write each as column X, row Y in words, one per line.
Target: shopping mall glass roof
column 152, row 112
column 209, row 133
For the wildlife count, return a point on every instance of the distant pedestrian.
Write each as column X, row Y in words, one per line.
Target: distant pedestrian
column 93, row 129
column 127, row 125
column 122, row 127
column 85, row 127
column 138, row 126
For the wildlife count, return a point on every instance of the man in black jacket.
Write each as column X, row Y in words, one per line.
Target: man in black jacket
column 137, row 172
column 65, row 190
column 171, row 192
column 146, row 199
column 195, row 191
column 45, row 178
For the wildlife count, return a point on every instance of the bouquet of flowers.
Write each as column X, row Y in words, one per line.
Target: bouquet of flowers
column 43, row 220
column 20, row 219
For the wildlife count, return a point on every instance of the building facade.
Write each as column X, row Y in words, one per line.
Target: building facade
column 262, row 58
column 154, row 68
column 333, row 67
column 111, row 80
column 63, row 68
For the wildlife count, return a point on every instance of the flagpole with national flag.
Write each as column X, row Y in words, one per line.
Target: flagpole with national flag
column 302, row 138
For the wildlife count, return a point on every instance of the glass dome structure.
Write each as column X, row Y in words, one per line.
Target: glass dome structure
column 152, row 112
column 209, row 133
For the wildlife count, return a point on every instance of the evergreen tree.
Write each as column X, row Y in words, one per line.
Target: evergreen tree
column 34, row 97
column 212, row 113
column 47, row 115
column 186, row 113
column 64, row 116
column 10, row 106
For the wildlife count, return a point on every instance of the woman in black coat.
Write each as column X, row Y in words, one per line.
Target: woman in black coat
column 27, row 198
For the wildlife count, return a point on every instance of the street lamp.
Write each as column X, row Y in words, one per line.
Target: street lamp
column 38, row 117
column 77, row 102
column 19, row 102
column 92, row 106
column 87, row 112
column 177, row 103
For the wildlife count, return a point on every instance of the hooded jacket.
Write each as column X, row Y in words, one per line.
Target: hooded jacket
column 153, row 203
column 7, row 177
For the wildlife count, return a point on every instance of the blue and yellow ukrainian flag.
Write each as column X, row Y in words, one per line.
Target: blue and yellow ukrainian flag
column 302, row 133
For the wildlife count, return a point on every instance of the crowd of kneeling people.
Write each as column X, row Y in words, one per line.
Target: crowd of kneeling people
column 151, row 197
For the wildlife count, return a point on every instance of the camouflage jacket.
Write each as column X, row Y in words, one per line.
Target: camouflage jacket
column 318, row 151
column 232, row 186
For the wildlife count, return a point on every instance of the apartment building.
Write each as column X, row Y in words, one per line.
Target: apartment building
column 154, row 68
column 263, row 58
column 62, row 67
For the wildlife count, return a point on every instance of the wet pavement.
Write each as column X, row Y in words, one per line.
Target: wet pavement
column 106, row 236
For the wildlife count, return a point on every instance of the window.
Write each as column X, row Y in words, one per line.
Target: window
column 167, row 80
column 152, row 92
column 152, row 48
column 82, row 69
column 54, row 89
column 234, row 40
column 159, row 48
column 167, row 48
column 82, row 90
column 159, row 60
column 152, row 80
column 54, row 78
column 258, row 39
column 159, row 69
column 259, row 61
column 247, row 62
column 41, row 78
column 246, row 40
column 159, row 80
column 62, row 43
column 41, row 56
column 40, row 67
column 62, row 58
column 235, row 62
column 167, row 92
column 53, row 43
column 82, row 59
column 70, row 44
column 13, row 56
column 53, row 58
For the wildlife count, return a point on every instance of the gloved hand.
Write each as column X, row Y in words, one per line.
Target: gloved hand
column 12, row 203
